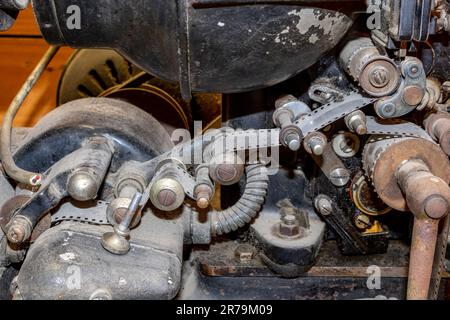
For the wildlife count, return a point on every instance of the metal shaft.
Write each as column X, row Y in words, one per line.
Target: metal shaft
column 421, row 259
column 16, row 173
column 129, row 215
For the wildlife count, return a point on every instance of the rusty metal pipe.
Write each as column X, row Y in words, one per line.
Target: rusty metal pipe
column 428, row 198
column 421, row 258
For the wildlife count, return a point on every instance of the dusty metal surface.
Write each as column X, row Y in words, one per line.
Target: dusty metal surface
column 334, row 277
column 220, row 261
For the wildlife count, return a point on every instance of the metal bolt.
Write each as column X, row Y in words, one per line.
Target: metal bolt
column 362, row 221
column 244, row 253
column 340, row 177
column 293, row 141
column 289, row 226
column 413, row 71
column 388, row 110
column 289, row 219
column 19, row 230
column 226, row 172
column 356, row 122
column 324, row 205
column 167, row 194
column 166, row 197
column 317, row 146
column 379, row 77
column 203, row 194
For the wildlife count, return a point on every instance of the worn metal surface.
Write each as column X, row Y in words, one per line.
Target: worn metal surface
column 423, row 247
column 438, row 127
column 410, row 93
column 334, row 276
column 254, row 45
column 151, row 270
column 382, row 158
column 377, row 74
column 61, row 132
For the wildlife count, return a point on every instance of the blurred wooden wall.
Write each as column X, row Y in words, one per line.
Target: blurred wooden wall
column 21, row 48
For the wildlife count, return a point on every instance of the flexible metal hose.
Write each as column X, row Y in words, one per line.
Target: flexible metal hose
column 10, row 167
column 248, row 205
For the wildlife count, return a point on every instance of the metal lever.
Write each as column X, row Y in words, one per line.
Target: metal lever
column 118, row 242
column 428, row 198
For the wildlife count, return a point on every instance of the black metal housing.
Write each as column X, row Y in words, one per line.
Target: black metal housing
column 208, row 46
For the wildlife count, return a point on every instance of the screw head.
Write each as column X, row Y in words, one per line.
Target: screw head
column 166, row 197
column 226, row 172
column 379, row 77
column 340, row 177
column 167, row 194
column 388, row 110
column 226, row 169
column 324, row 205
column 16, row 234
column 413, row 70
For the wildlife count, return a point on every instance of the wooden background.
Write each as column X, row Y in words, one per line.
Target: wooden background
column 21, row 48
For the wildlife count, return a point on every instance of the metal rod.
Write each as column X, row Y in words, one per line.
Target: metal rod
column 421, row 258
column 129, row 215
column 16, row 173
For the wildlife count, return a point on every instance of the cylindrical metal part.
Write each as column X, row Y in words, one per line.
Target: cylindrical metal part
column 356, row 122
column 167, row 193
column 19, row 230
column 438, row 127
column 204, row 189
column 85, row 182
column 382, row 159
column 117, row 242
column 426, row 195
column 315, row 143
column 377, row 74
column 132, row 209
column 421, row 259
